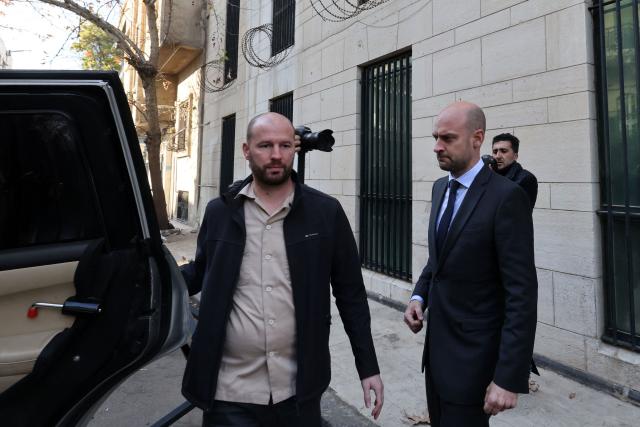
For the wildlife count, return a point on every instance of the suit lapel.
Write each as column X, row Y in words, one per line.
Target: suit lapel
column 471, row 199
column 440, row 188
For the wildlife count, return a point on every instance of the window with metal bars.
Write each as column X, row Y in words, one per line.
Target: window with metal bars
column 385, row 181
column 231, row 40
column 618, row 93
column 283, row 104
column 183, row 134
column 227, row 152
column 284, row 12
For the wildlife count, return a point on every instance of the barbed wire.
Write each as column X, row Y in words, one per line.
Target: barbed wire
column 249, row 41
column 212, row 78
column 341, row 10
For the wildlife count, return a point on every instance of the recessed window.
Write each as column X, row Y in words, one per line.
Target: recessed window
column 283, row 104
column 618, row 135
column 182, row 208
column 385, row 182
column 183, row 134
column 227, row 152
column 284, row 12
column 231, row 40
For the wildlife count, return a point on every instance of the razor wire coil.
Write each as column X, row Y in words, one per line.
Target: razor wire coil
column 249, row 43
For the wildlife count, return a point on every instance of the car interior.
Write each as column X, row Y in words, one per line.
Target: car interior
column 85, row 288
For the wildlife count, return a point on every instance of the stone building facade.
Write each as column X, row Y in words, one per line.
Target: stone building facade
column 530, row 64
column 181, row 35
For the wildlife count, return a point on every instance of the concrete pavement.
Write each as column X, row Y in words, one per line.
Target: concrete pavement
column 558, row 402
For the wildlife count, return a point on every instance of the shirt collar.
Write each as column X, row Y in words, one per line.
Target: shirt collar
column 248, row 192
column 467, row 178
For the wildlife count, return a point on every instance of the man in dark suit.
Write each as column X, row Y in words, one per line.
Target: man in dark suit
column 267, row 251
column 479, row 286
column 504, row 149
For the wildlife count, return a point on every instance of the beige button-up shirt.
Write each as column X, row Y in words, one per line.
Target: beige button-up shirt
column 259, row 356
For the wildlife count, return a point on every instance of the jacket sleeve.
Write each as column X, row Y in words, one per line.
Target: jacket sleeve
column 193, row 272
column 351, row 296
column 514, row 245
column 530, row 185
column 424, row 282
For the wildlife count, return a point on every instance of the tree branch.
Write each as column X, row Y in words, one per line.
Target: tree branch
column 126, row 44
column 139, row 108
column 64, row 43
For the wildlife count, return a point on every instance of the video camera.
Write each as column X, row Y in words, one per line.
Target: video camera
column 490, row 161
column 309, row 141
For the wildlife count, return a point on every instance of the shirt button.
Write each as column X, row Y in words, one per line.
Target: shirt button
column 268, row 288
column 267, row 257
column 271, row 321
column 272, row 353
column 268, row 227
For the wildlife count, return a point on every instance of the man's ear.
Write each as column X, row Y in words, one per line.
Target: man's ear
column 245, row 150
column 478, row 138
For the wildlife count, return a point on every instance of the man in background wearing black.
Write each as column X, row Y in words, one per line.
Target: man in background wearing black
column 505, row 152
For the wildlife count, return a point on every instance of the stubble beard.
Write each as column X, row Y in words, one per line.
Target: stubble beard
column 261, row 175
column 452, row 166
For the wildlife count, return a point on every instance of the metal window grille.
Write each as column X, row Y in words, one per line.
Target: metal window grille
column 182, row 134
column 385, row 182
column 226, row 152
column 231, row 40
column 284, row 12
column 283, row 105
column 618, row 66
column 182, row 208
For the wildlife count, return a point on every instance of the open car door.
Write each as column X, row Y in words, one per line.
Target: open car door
column 88, row 293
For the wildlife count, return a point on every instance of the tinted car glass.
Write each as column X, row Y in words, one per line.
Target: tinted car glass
column 46, row 191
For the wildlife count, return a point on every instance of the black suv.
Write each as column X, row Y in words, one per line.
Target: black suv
column 88, row 293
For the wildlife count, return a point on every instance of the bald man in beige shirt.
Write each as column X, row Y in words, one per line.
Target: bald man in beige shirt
column 267, row 251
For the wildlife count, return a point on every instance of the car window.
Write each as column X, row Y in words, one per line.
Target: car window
column 46, row 190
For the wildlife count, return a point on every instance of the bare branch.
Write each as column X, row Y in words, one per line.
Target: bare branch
column 69, row 35
column 138, row 107
column 127, row 45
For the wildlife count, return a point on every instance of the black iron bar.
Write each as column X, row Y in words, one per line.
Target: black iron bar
column 608, row 190
column 628, row 232
column 408, row 169
column 623, row 134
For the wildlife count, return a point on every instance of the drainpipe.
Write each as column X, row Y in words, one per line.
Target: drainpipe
column 201, row 108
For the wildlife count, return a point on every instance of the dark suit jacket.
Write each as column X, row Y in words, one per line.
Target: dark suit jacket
column 481, row 292
column 524, row 179
column 320, row 249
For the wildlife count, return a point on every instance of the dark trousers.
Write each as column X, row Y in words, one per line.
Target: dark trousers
column 448, row 414
column 282, row 414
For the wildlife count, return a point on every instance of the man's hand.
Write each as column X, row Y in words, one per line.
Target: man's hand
column 498, row 399
column 296, row 143
column 413, row 316
column 373, row 383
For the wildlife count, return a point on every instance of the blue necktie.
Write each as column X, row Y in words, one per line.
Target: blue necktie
column 445, row 221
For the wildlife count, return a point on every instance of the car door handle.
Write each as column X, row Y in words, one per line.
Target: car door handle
column 72, row 306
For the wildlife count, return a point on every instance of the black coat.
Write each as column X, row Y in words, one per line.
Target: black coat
column 481, row 292
column 524, row 179
column 320, row 249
